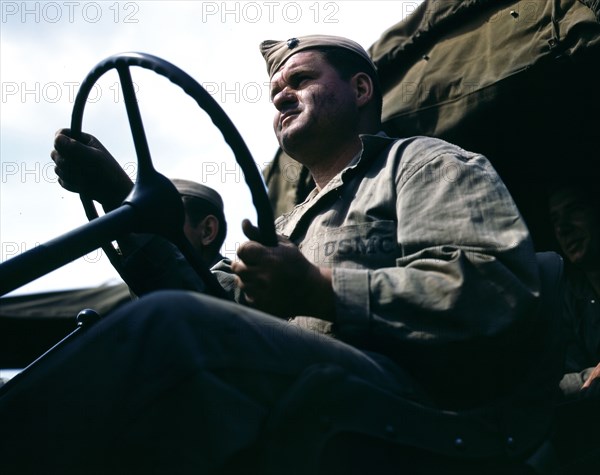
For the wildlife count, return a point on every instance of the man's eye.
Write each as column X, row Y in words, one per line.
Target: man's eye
column 298, row 80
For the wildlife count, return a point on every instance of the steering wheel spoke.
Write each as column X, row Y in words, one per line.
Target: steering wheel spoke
column 153, row 193
column 135, row 119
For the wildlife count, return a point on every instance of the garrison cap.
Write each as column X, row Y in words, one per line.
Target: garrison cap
column 277, row 52
column 196, row 190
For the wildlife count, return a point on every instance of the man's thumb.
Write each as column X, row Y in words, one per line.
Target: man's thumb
column 251, row 231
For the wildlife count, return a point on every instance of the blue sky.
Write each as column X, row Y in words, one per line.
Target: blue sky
column 48, row 48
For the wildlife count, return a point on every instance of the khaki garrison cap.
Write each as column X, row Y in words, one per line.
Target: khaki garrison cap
column 196, row 190
column 277, row 52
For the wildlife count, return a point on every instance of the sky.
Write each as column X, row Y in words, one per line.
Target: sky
column 48, row 48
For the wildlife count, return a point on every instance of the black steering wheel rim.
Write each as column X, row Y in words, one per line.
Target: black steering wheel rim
column 122, row 62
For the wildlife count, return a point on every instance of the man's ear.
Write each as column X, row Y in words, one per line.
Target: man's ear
column 363, row 87
column 209, row 228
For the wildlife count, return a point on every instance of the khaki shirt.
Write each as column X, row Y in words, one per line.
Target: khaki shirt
column 432, row 262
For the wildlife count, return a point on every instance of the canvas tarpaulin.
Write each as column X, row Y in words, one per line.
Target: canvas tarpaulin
column 31, row 324
column 514, row 80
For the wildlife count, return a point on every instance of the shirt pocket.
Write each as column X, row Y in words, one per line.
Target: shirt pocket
column 360, row 246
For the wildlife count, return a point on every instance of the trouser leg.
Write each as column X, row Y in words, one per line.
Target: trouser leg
column 174, row 383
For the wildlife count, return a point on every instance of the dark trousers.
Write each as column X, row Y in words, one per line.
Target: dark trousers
column 173, row 383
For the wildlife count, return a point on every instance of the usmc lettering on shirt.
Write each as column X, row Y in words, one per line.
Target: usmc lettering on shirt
column 357, row 245
column 365, row 245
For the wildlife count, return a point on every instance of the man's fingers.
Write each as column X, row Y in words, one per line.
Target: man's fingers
column 595, row 374
column 238, row 267
column 67, row 186
column 85, row 139
column 63, row 131
column 64, row 166
column 251, row 252
column 65, row 145
column 244, row 272
column 252, row 232
column 248, row 281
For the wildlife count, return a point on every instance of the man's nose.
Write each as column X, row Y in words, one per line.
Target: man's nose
column 284, row 98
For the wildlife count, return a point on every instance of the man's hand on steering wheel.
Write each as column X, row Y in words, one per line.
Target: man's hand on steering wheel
column 87, row 167
column 84, row 166
column 279, row 280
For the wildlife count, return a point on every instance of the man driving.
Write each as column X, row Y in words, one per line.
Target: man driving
column 408, row 267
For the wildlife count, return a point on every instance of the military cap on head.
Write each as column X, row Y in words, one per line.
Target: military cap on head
column 196, row 190
column 277, row 52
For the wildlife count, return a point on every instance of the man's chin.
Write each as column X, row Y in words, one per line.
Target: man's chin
column 577, row 258
column 289, row 140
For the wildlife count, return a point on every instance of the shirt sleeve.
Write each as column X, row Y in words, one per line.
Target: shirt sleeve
column 152, row 263
column 467, row 269
column 458, row 310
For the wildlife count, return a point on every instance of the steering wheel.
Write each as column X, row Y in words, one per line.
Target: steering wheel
column 158, row 205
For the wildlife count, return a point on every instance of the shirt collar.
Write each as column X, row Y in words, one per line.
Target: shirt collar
column 372, row 145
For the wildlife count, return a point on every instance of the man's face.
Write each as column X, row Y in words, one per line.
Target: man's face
column 315, row 106
column 576, row 227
